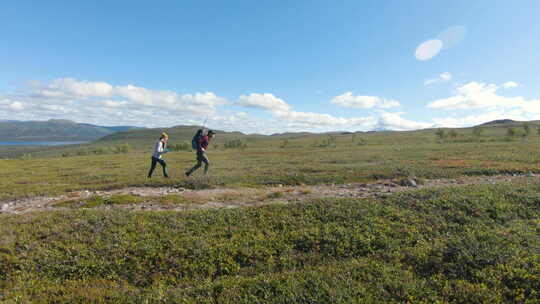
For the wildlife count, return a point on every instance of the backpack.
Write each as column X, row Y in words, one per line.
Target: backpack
column 197, row 138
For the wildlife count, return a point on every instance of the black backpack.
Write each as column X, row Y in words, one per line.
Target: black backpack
column 197, row 138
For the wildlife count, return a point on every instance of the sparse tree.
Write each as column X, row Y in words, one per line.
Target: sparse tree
column 452, row 134
column 477, row 131
column 511, row 132
column 441, row 134
column 527, row 129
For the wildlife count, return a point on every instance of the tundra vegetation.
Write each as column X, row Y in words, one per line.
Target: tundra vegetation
column 462, row 244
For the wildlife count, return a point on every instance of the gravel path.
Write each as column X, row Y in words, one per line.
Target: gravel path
column 240, row 197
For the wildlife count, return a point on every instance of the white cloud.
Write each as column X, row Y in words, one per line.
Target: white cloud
column 482, row 102
column 71, row 88
column 348, row 100
column 446, row 76
column 471, row 120
column 394, row 121
column 113, row 103
column 103, row 103
column 476, row 95
column 305, row 121
column 13, row 105
column 510, row 84
column 308, row 120
column 264, row 101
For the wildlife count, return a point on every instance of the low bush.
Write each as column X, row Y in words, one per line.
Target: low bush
column 235, row 144
column 469, row 244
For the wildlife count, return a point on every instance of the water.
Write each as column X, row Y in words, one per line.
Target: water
column 40, row 143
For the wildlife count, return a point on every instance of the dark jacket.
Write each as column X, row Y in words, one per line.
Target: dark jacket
column 203, row 143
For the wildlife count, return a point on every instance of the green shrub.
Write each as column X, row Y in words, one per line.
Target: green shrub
column 235, row 144
column 122, row 148
column 441, row 134
column 469, row 244
column 329, row 141
column 477, row 131
column 180, row 147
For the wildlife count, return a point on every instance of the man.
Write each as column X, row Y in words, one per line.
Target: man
column 202, row 145
column 159, row 150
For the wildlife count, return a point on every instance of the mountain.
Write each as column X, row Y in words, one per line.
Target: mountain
column 53, row 130
column 115, row 128
column 508, row 123
column 498, row 122
column 292, row 134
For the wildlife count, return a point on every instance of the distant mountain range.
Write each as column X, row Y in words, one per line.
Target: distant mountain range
column 67, row 130
column 55, row 130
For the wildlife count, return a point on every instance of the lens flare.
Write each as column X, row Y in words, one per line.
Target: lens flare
column 452, row 36
column 428, row 49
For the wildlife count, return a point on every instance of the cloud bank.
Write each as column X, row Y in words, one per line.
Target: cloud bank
column 364, row 102
column 107, row 104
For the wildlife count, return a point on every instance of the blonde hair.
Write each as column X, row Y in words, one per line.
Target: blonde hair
column 164, row 135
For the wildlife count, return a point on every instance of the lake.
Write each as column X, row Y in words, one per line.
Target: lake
column 40, row 143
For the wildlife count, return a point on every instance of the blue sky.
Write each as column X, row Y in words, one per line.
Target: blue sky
column 270, row 66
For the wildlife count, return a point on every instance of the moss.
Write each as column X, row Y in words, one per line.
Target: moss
column 463, row 244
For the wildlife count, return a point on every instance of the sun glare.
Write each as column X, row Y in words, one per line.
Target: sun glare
column 428, row 49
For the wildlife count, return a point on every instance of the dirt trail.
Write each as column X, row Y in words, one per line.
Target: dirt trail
column 151, row 198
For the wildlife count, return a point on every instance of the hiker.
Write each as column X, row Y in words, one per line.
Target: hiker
column 159, row 150
column 201, row 145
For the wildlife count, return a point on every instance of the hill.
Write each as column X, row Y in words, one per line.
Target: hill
column 507, row 123
column 143, row 136
column 115, row 128
column 54, row 130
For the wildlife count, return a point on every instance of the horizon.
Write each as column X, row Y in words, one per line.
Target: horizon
column 267, row 134
column 267, row 68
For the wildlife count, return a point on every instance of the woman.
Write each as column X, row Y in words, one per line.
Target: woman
column 159, row 150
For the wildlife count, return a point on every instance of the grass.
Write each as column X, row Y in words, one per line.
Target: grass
column 469, row 244
column 256, row 167
column 459, row 245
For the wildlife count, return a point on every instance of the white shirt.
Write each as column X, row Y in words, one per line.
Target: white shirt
column 158, row 149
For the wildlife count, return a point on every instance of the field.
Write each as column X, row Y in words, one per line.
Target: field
column 458, row 244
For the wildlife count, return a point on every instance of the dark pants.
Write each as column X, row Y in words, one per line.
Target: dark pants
column 153, row 166
column 201, row 158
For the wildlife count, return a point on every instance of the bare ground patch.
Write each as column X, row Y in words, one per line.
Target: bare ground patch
column 180, row 199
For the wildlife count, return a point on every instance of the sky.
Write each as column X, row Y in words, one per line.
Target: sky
column 271, row 66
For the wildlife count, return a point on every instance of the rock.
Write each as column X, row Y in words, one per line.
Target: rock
column 4, row 207
column 74, row 194
column 410, row 182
